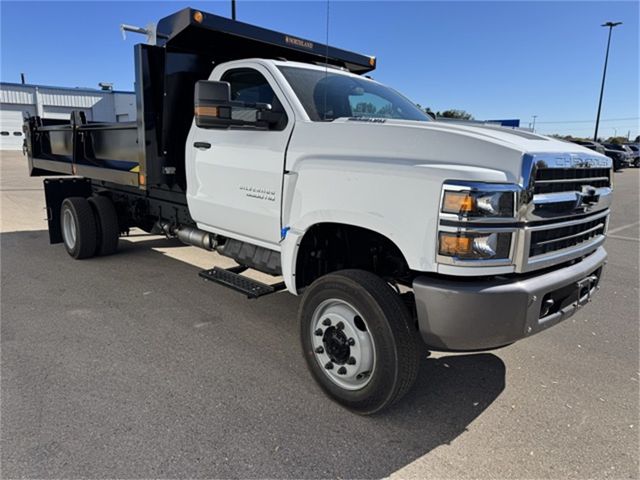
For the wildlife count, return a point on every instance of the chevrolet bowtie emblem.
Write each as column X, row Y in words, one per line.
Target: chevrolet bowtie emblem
column 588, row 196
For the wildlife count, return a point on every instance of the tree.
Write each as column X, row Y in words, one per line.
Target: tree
column 638, row 139
column 459, row 114
column 364, row 108
column 451, row 113
column 385, row 111
column 427, row 110
column 617, row 140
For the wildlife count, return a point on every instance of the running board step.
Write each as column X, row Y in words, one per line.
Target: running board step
column 232, row 279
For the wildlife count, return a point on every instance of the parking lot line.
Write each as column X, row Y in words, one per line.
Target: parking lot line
column 623, row 227
column 620, row 237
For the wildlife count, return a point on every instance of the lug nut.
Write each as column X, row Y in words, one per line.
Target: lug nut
column 319, row 350
column 318, row 332
column 326, row 322
column 340, row 325
column 342, row 371
column 328, row 365
column 351, row 342
column 351, row 361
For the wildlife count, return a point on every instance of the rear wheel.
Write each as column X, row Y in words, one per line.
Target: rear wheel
column 108, row 229
column 78, row 227
column 358, row 340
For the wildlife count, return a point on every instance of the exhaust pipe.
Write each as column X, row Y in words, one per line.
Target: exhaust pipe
column 189, row 235
column 197, row 237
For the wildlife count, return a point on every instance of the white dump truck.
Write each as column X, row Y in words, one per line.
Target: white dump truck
column 397, row 231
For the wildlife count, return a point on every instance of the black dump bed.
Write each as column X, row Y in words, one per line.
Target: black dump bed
column 150, row 152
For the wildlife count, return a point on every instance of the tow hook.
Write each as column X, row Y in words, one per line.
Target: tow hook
column 585, row 286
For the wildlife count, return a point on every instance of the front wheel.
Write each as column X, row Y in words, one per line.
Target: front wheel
column 358, row 340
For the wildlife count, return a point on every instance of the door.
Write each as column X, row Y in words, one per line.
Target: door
column 11, row 135
column 234, row 186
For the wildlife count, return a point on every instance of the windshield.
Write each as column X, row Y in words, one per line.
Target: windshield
column 326, row 96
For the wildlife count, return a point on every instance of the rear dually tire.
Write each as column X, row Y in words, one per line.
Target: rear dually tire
column 78, row 224
column 108, row 228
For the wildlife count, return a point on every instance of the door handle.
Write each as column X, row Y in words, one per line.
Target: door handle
column 203, row 145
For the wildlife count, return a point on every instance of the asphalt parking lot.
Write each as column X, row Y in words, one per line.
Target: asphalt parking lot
column 131, row 366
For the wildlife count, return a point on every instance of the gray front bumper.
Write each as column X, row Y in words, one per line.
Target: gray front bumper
column 483, row 314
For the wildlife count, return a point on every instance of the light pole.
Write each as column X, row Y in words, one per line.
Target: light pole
column 604, row 74
column 533, row 128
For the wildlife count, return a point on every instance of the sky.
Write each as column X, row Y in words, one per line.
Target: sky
column 496, row 60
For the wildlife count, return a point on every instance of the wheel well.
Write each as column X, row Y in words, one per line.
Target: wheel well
column 328, row 247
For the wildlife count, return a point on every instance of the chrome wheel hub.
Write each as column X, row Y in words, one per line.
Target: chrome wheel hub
column 342, row 344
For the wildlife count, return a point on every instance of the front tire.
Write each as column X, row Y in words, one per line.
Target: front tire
column 359, row 340
column 78, row 224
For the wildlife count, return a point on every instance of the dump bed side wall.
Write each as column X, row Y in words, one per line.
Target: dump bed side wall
column 103, row 151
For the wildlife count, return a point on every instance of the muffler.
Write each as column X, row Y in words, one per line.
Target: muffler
column 196, row 237
column 189, row 235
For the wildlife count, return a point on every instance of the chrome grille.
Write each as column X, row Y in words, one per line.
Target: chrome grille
column 554, row 180
column 567, row 210
column 545, row 241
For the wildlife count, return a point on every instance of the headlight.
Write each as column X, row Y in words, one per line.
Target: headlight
column 472, row 220
column 471, row 203
column 475, row 246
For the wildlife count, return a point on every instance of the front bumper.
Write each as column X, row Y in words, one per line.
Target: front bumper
column 466, row 315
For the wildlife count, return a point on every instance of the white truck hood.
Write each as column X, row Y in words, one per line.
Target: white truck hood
column 517, row 139
column 483, row 152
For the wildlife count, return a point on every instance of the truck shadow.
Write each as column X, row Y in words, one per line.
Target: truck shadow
column 240, row 402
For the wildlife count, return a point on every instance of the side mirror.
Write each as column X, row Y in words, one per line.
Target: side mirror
column 212, row 102
column 215, row 109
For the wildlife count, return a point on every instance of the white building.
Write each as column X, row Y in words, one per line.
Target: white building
column 58, row 102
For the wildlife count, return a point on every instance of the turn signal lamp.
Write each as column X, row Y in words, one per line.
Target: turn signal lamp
column 207, row 111
column 458, row 202
column 476, row 203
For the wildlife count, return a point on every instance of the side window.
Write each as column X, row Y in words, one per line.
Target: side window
column 248, row 85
